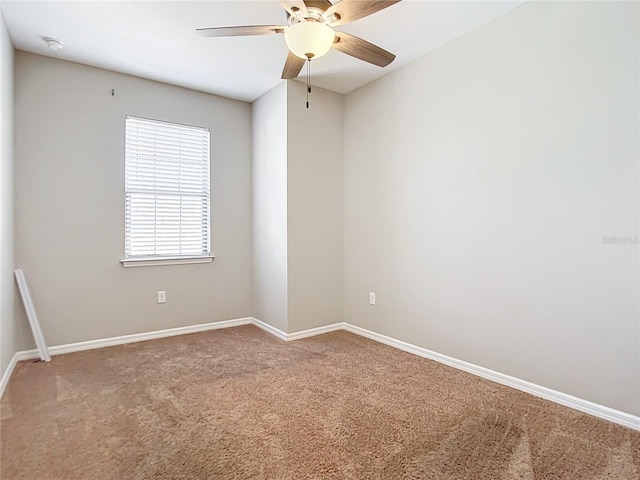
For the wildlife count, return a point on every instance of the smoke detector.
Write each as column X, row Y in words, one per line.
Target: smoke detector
column 54, row 44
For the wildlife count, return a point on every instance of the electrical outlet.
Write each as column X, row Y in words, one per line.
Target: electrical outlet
column 162, row 296
column 372, row 298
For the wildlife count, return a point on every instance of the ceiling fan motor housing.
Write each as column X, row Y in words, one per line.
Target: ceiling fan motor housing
column 313, row 14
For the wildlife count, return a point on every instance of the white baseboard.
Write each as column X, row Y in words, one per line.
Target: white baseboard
column 585, row 406
column 276, row 332
column 7, row 373
column 17, row 357
column 120, row 340
column 141, row 337
column 312, row 332
column 288, row 337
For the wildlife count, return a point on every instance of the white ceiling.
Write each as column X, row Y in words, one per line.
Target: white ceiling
column 157, row 39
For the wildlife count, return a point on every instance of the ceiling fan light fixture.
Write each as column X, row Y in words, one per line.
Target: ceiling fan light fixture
column 309, row 39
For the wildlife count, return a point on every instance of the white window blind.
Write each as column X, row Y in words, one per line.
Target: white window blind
column 167, row 189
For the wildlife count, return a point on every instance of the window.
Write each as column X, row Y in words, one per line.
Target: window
column 167, row 193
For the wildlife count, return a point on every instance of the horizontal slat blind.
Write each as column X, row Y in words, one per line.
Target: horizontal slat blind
column 167, row 188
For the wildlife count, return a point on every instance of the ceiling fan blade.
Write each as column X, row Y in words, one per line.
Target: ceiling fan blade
column 292, row 66
column 240, row 31
column 347, row 11
column 296, row 8
column 356, row 47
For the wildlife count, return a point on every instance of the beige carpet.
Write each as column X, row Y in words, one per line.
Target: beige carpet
column 239, row 404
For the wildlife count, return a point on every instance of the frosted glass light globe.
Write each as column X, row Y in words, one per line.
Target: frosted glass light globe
column 309, row 39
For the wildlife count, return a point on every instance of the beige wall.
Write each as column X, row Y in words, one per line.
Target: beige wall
column 69, row 184
column 298, row 207
column 12, row 332
column 269, row 180
column 315, row 207
column 479, row 184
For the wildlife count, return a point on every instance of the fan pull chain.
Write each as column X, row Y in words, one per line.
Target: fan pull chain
column 308, row 80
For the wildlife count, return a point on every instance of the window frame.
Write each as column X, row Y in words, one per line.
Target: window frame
column 170, row 259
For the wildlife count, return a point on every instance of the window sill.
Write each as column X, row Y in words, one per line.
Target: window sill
column 158, row 261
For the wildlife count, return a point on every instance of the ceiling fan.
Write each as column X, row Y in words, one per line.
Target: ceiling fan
column 310, row 35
